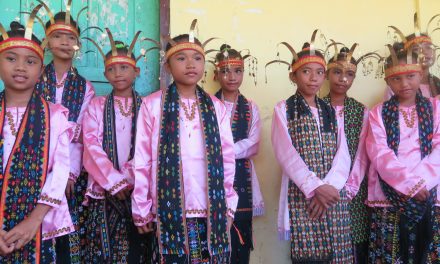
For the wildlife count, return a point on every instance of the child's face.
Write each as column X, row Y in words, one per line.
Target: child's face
column 340, row 80
column 62, row 43
column 20, row 68
column 309, row 78
column 426, row 53
column 230, row 78
column 405, row 86
column 186, row 67
column 121, row 76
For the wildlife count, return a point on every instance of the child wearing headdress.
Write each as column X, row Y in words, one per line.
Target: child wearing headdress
column 353, row 119
column 421, row 44
column 34, row 154
column 184, row 163
column 314, row 157
column 246, row 129
column 109, row 131
column 403, row 146
column 61, row 83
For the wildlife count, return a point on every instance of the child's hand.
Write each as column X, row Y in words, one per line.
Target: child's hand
column 124, row 193
column 22, row 233
column 5, row 249
column 146, row 228
column 316, row 210
column 422, row 195
column 327, row 195
column 70, row 188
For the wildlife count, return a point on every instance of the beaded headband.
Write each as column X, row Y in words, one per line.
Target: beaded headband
column 188, row 45
column 26, row 41
column 398, row 69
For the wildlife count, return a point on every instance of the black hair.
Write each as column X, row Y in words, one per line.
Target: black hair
column 121, row 48
column 306, row 52
column 61, row 17
column 18, row 30
column 182, row 38
column 232, row 53
column 342, row 55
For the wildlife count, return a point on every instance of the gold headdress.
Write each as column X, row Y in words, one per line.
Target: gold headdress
column 26, row 41
column 397, row 68
column 187, row 45
column 67, row 25
column 345, row 61
column 116, row 58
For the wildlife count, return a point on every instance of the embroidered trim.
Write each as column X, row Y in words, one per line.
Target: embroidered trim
column 95, row 194
column 244, row 209
column 402, row 69
column 307, row 59
column 141, row 220
column 62, row 27
column 120, row 60
column 22, row 43
column 184, row 46
column 196, row 211
column 118, row 185
column 57, row 232
column 77, row 133
column 229, row 63
column 415, row 188
column 46, row 198
column 230, row 211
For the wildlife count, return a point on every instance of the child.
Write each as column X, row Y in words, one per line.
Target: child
column 109, row 134
column 62, row 84
column 246, row 126
column 34, row 154
column 404, row 150
column 421, row 44
column 352, row 117
column 185, row 164
column 313, row 154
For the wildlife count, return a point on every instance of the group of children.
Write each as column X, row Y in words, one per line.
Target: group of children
column 169, row 178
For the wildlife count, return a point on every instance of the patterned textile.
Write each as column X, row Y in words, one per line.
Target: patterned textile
column 198, row 247
column 27, row 166
column 173, row 238
column 74, row 89
column 112, row 236
column 328, row 239
column 73, row 98
column 353, row 122
column 395, row 231
column 240, row 125
column 410, row 207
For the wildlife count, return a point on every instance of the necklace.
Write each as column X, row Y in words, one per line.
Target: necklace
column 191, row 116
column 121, row 108
column 409, row 123
column 11, row 123
column 61, row 84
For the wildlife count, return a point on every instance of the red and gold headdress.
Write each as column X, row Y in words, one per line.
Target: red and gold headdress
column 26, row 41
column 189, row 45
column 344, row 60
column 116, row 58
column 298, row 62
column 67, row 24
column 398, row 68
column 419, row 36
